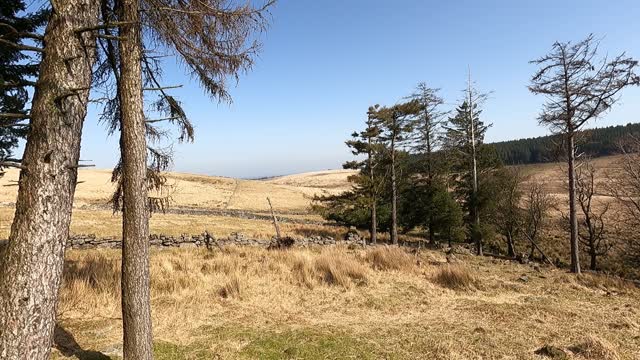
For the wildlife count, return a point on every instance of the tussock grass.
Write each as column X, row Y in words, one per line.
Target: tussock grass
column 390, row 258
column 603, row 282
column 305, row 303
column 595, row 348
column 455, row 277
column 232, row 288
column 336, row 269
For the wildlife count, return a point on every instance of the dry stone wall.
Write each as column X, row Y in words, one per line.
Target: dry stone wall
column 202, row 240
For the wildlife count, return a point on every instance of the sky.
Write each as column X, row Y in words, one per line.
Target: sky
column 323, row 63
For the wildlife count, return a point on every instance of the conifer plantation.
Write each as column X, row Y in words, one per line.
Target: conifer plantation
column 431, row 242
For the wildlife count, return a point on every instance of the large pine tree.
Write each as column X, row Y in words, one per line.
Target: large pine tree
column 470, row 158
column 17, row 70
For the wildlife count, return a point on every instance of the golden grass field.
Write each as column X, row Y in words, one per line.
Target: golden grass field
column 336, row 303
column 290, row 195
column 332, row 302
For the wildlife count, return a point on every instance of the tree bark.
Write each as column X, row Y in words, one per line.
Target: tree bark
column 373, row 231
column 136, row 308
column 275, row 220
column 573, row 219
column 394, row 195
column 511, row 251
column 32, row 263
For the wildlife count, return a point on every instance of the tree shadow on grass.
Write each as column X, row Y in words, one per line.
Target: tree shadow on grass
column 64, row 341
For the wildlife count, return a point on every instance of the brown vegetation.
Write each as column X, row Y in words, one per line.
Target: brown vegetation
column 245, row 303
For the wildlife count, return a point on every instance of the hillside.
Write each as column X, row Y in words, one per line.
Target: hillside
column 223, row 205
column 592, row 142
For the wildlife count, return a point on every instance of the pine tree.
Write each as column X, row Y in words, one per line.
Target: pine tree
column 395, row 124
column 213, row 40
column 426, row 135
column 32, row 263
column 367, row 182
column 580, row 88
column 18, row 68
column 464, row 141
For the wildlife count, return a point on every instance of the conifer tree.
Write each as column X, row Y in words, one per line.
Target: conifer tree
column 464, row 141
column 366, row 143
column 395, row 123
column 579, row 87
column 425, row 138
column 214, row 40
column 31, row 267
column 18, row 69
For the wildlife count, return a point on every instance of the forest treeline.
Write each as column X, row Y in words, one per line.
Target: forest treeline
column 592, row 142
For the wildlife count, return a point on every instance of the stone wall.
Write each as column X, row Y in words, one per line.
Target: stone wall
column 202, row 240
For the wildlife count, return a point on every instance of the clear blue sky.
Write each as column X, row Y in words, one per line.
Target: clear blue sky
column 325, row 62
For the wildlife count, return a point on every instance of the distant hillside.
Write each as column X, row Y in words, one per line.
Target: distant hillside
column 593, row 142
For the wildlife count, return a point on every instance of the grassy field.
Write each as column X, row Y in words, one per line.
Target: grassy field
column 336, row 303
column 219, row 199
column 330, row 303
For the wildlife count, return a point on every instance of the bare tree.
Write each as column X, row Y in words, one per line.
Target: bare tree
column 580, row 87
column 624, row 185
column 32, row 262
column 592, row 224
column 537, row 205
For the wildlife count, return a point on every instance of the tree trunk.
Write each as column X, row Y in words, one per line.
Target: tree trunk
column 373, row 232
column 374, row 224
column 32, row 265
column 394, row 196
column 511, row 251
column 573, row 220
column 136, row 309
column 594, row 258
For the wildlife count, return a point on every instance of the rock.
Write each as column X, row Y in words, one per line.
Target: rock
column 552, row 352
column 523, row 258
column 187, row 245
column 113, row 351
column 523, row 278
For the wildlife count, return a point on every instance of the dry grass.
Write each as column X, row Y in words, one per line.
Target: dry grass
column 594, row 348
column 455, row 277
column 231, row 289
column 390, row 258
column 334, row 268
column 333, row 303
column 604, row 282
